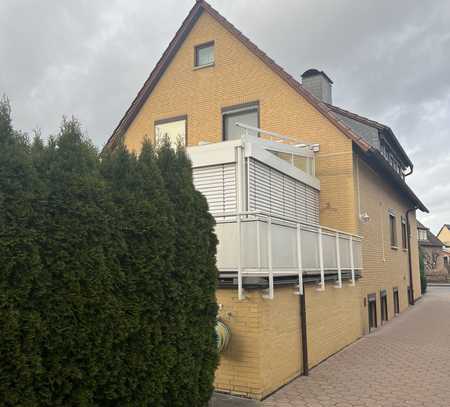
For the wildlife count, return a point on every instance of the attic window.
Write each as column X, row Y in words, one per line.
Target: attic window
column 204, row 55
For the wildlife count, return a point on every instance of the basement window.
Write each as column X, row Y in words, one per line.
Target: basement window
column 396, row 301
column 204, row 55
column 384, row 306
column 372, row 308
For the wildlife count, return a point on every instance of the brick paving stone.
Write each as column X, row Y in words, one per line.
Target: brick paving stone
column 405, row 363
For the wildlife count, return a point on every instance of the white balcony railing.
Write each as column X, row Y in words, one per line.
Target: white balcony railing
column 255, row 244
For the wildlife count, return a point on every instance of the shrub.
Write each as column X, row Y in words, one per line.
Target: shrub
column 195, row 276
column 21, row 328
column 142, row 216
column 107, row 279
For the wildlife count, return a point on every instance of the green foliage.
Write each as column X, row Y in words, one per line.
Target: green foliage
column 20, row 266
column 194, row 277
column 423, row 277
column 107, row 279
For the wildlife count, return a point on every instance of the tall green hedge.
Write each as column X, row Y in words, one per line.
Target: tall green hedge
column 194, row 277
column 107, row 275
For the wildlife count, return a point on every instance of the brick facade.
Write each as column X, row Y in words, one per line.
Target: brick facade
column 265, row 350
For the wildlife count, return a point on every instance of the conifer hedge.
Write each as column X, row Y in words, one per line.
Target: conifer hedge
column 107, row 275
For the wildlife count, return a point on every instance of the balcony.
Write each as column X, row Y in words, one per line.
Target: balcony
column 255, row 244
column 265, row 199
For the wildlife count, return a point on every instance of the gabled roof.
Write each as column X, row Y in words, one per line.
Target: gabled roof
column 420, row 225
column 445, row 225
column 200, row 7
column 432, row 240
column 377, row 125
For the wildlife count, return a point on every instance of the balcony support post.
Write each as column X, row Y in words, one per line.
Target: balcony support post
column 352, row 262
column 241, row 294
column 299, row 260
column 269, row 257
column 258, row 242
column 338, row 261
column 322, row 269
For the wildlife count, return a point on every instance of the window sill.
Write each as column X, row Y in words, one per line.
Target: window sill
column 394, row 247
column 196, row 68
column 405, row 250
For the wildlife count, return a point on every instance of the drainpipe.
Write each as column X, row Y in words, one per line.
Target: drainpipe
column 304, row 333
column 408, row 231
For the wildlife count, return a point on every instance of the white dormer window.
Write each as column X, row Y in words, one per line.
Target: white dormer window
column 422, row 234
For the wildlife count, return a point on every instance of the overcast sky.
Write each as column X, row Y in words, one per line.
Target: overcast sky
column 389, row 60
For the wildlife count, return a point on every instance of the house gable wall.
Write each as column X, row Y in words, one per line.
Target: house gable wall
column 237, row 77
column 444, row 236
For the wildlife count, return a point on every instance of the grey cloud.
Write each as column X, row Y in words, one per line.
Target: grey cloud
column 389, row 61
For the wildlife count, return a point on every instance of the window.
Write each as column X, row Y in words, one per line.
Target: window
column 204, row 54
column 396, row 301
column 384, row 307
column 422, row 234
column 247, row 114
column 372, row 308
column 404, row 234
column 174, row 129
column 392, row 230
column 446, row 260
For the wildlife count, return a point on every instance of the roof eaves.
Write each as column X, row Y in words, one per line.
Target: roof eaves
column 383, row 165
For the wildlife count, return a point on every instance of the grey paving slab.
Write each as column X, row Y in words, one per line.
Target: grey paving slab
column 406, row 362
column 225, row 400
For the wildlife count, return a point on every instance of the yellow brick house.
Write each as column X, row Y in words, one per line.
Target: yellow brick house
column 314, row 217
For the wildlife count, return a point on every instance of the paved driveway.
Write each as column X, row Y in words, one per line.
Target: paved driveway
column 404, row 363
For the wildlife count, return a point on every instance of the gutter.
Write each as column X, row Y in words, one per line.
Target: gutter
column 408, row 231
column 379, row 162
column 411, row 169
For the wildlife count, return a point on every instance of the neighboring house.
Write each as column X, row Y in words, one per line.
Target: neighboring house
column 444, row 235
column 435, row 256
column 324, row 213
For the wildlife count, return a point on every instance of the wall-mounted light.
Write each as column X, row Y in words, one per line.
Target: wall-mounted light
column 364, row 217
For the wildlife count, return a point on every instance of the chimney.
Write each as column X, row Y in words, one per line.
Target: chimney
column 318, row 83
